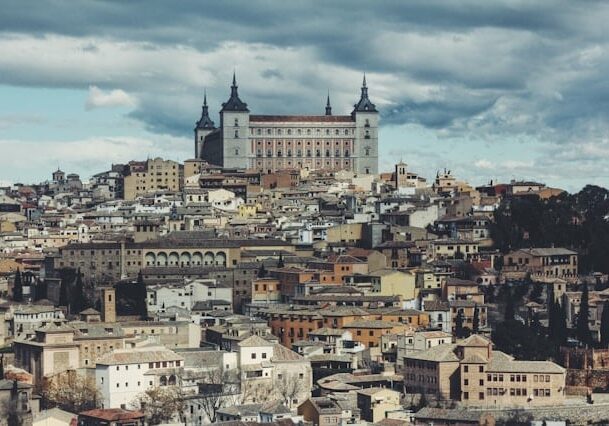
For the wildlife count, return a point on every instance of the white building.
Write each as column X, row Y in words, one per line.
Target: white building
column 126, row 373
column 161, row 297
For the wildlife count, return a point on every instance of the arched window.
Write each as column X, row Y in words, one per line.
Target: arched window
column 308, row 152
column 289, row 153
column 269, row 153
column 308, row 131
column 346, row 131
column 172, row 380
column 278, row 131
column 327, row 152
column 236, row 151
column 367, row 150
column 346, row 153
column 279, row 153
column 259, row 131
column 327, row 131
column 336, row 132
column 299, row 131
column 337, row 153
column 163, row 381
column 236, row 122
column 367, row 136
column 299, row 153
column 236, row 133
column 289, row 131
column 268, row 131
column 318, row 153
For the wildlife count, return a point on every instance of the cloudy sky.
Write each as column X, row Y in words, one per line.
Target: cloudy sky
column 489, row 89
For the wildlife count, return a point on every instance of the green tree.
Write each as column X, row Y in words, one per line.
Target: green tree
column 583, row 326
column 605, row 325
column 18, row 287
column 476, row 320
column 509, row 306
column 261, row 271
column 459, row 332
column 141, row 296
column 77, row 299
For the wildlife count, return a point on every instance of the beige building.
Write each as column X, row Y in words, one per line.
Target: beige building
column 453, row 249
column 472, row 373
column 375, row 403
column 152, row 175
column 389, row 282
column 52, row 351
column 543, row 263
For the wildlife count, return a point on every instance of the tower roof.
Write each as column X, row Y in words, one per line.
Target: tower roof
column 205, row 122
column 328, row 106
column 234, row 103
column 364, row 104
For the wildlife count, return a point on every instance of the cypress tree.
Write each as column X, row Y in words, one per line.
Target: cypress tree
column 142, row 295
column 562, row 330
column 583, row 327
column 476, row 320
column 77, row 301
column 18, row 287
column 459, row 324
column 605, row 325
column 509, row 307
column 261, row 271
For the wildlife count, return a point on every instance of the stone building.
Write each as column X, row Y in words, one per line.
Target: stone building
column 474, row 374
column 152, row 175
column 275, row 142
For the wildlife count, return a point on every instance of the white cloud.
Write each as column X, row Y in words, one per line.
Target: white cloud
column 86, row 156
column 484, row 164
column 112, row 98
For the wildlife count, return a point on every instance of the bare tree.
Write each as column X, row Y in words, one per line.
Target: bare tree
column 216, row 392
column 71, row 391
column 160, row 404
column 288, row 387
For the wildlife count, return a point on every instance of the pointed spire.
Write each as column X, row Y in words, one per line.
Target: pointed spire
column 234, row 103
column 328, row 106
column 205, row 122
column 364, row 104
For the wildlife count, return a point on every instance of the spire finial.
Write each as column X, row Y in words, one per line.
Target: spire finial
column 234, row 78
column 328, row 106
column 204, row 97
column 364, row 82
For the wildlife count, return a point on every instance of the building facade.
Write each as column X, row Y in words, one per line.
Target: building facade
column 274, row 142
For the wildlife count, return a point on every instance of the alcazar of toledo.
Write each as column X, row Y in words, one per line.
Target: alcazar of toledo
column 273, row 142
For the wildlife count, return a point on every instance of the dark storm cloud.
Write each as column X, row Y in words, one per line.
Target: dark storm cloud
column 487, row 67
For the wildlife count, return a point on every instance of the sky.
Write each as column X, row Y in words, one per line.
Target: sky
column 491, row 90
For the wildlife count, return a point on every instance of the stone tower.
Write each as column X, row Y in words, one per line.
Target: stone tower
column 108, row 304
column 401, row 175
column 366, row 119
column 203, row 127
column 235, row 123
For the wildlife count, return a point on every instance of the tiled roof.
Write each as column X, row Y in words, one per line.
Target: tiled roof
column 254, row 341
column 281, row 353
column 139, row 357
column 300, row 118
column 440, row 353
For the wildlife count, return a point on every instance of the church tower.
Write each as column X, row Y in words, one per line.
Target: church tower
column 401, row 176
column 366, row 119
column 328, row 106
column 235, row 122
column 203, row 128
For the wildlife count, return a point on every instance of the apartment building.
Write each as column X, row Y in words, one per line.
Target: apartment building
column 474, row 374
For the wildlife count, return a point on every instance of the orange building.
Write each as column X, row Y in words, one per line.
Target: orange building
column 369, row 332
column 292, row 324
